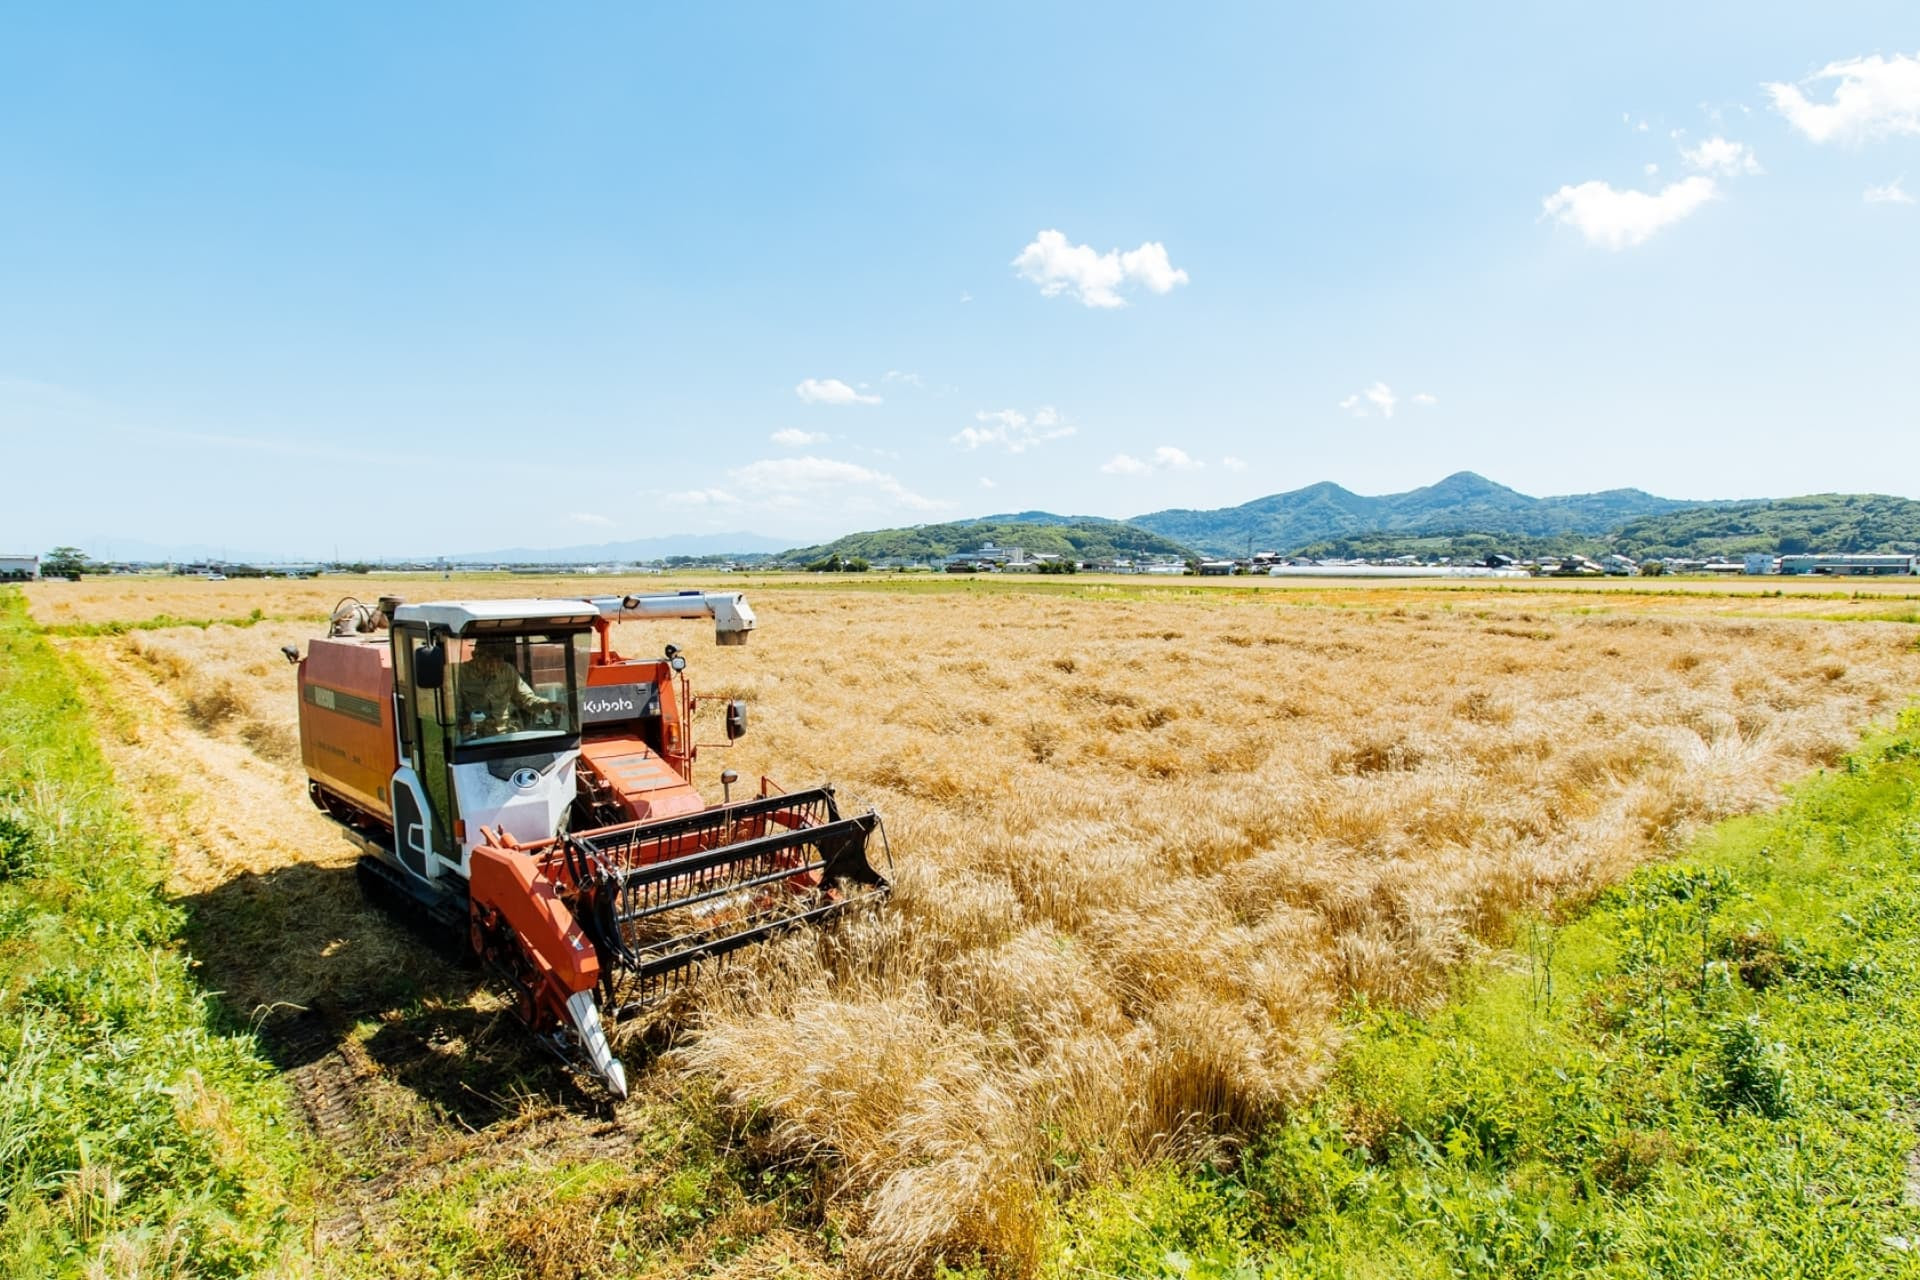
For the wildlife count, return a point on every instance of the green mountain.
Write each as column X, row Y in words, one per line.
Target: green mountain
column 1856, row 522
column 1083, row 537
column 1462, row 503
column 1464, row 516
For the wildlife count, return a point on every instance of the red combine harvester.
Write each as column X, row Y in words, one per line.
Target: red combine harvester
column 506, row 773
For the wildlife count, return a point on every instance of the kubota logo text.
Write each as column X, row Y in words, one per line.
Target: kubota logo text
column 600, row 706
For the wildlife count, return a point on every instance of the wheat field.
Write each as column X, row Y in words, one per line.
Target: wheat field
column 1146, row 846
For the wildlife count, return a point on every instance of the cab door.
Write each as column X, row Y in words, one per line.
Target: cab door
column 423, row 795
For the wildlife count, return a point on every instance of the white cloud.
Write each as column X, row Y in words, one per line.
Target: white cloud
column 1425, row 399
column 808, row 480
column 700, row 498
column 965, row 296
column 1722, row 156
column 831, row 391
column 1095, row 278
column 1891, row 193
column 986, row 483
column 1876, row 97
column 1232, row 463
column 1618, row 219
column 1652, row 170
column 1380, row 396
column 1013, row 430
column 588, row 517
column 1165, row 458
column 904, row 379
column 794, row 438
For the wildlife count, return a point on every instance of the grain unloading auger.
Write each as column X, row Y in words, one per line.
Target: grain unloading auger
column 507, row 774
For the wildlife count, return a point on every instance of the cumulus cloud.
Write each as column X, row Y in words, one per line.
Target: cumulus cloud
column 905, row 379
column 1093, row 277
column 831, row 391
column 986, row 483
column 1165, row 458
column 794, row 438
column 796, row 482
column 588, row 517
column 1891, row 193
column 1012, row 430
column 1873, row 97
column 1620, row 219
column 1232, row 463
column 1722, row 156
column 1425, row 399
column 1378, row 397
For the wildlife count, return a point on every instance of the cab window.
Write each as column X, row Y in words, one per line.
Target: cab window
column 509, row 688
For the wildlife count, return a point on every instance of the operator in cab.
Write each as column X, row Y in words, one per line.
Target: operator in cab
column 493, row 699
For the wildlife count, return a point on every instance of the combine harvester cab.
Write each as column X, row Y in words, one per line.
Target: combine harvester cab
column 506, row 773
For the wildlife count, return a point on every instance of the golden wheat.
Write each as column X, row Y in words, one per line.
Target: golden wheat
column 1146, row 848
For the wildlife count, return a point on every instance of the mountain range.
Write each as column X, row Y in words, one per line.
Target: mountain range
column 1464, row 516
column 1463, row 502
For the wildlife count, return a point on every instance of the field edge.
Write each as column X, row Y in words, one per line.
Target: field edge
column 138, row 1134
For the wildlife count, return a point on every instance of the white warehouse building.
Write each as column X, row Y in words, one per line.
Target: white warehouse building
column 19, row 568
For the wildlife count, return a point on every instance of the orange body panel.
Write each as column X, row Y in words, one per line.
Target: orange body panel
column 515, row 885
column 608, row 668
column 346, row 720
column 647, row 785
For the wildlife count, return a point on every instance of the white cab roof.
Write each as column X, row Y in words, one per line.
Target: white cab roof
column 462, row 616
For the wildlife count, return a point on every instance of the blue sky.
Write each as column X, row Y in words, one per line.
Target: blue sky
column 399, row 279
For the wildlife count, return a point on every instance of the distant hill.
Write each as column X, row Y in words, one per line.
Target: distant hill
column 1857, row 522
column 1462, row 503
column 1084, row 537
column 685, row 544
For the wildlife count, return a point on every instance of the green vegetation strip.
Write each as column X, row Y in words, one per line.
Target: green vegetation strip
column 165, row 621
column 136, row 1136
column 1711, row 1073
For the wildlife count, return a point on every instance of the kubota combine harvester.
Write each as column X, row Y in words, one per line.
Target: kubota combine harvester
column 506, row 773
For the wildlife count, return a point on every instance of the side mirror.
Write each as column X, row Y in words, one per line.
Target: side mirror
column 736, row 720
column 429, row 666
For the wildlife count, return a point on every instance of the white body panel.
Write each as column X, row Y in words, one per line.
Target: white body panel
column 528, row 810
column 412, row 826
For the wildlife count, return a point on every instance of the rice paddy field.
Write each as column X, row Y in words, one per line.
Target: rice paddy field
column 1152, row 845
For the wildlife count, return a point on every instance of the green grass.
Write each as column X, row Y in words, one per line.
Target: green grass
column 136, row 1136
column 163, row 621
column 1710, row 1073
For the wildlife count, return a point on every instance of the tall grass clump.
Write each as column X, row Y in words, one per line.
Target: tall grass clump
column 136, row 1137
